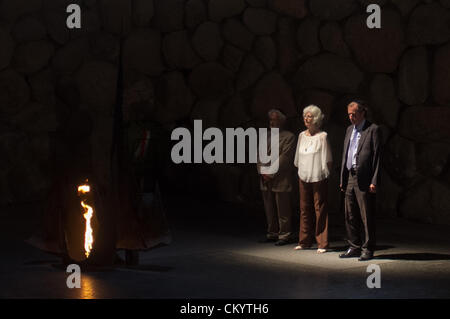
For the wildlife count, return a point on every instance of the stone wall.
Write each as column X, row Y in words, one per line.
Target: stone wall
column 228, row 62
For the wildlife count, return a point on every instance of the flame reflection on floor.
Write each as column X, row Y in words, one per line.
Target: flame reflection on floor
column 87, row 290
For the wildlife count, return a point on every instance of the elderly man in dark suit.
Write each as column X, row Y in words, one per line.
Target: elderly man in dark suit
column 359, row 180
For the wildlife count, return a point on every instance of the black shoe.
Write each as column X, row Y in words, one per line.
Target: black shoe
column 267, row 240
column 351, row 252
column 281, row 242
column 366, row 255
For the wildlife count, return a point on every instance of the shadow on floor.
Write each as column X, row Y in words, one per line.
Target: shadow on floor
column 40, row 262
column 85, row 268
column 414, row 256
column 94, row 268
column 344, row 248
column 153, row 268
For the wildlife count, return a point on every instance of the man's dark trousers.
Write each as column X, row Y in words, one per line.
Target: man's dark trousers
column 359, row 211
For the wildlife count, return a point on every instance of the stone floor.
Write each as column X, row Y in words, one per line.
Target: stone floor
column 215, row 254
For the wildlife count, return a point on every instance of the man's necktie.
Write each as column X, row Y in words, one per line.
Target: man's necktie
column 140, row 152
column 351, row 149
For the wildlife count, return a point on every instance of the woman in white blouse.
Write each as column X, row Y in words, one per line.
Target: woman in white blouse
column 313, row 160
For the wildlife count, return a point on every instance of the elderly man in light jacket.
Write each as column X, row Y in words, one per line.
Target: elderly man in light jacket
column 277, row 187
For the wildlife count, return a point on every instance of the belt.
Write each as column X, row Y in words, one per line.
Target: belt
column 353, row 171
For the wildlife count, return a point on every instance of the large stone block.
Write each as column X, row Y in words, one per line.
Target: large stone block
column 104, row 46
column 91, row 24
column 174, row 100
column 386, row 133
column 414, row 76
column 383, row 100
column 251, row 70
column 426, row 124
column 29, row 29
column 295, row 8
column 207, row 41
column 332, row 9
column 237, row 34
column 428, row 202
column 399, row 159
column 332, row 39
column 59, row 5
column 33, row 56
column 67, row 92
column 288, row 55
column 7, row 45
column 27, row 182
column 142, row 52
column 116, row 16
column 101, row 140
column 232, row 58
column 388, row 196
column 405, row 6
column 233, row 113
column 10, row 10
column 14, row 145
column 36, row 118
column 196, row 13
column 43, row 87
column 257, row 3
column 441, row 75
column 143, row 11
column 169, row 15
column 376, row 50
column 55, row 22
column 211, row 81
column 91, row 3
column 139, row 99
column 219, row 9
column 97, row 82
column 77, row 129
column 6, row 198
column 326, row 71
column 178, row 51
column 428, row 24
column 260, row 21
column 308, row 36
column 266, row 52
column 272, row 91
column 14, row 92
column 208, row 112
column 445, row 3
column 432, row 158
column 365, row 3
column 68, row 58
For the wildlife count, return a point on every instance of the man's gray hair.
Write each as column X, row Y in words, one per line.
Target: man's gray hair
column 362, row 106
column 316, row 113
column 280, row 114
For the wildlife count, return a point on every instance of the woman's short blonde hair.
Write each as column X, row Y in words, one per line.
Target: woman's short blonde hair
column 316, row 113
